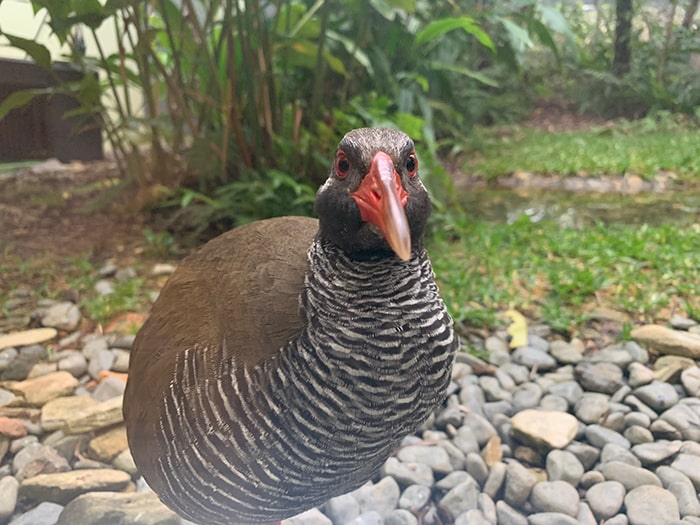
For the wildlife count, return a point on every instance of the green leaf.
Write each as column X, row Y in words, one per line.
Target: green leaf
column 20, row 99
column 517, row 36
column 545, row 36
column 353, row 50
column 406, row 5
column 465, row 72
column 40, row 54
column 335, row 63
column 552, row 18
column 383, row 8
column 437, row 28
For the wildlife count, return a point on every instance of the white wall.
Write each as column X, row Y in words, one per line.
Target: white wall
column 17, row 18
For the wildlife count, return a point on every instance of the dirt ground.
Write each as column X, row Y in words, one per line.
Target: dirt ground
column 54, row 210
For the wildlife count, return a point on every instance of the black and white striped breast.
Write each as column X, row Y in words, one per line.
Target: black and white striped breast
column 252, row 446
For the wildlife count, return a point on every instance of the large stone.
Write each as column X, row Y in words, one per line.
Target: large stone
column 654, row 453
column 39, row 390
column 669, row 367
column 37, row 458
column 43, row 514
column 519, row 483
column 62, row 487
column 603, row 377
column 74, row 363
column 565, row 466
column 414, row 498
column 342, row 509
column 462, row 497
column 543, row 429
column 408, row 473
column 631, row 477
column 12, row 428
column 99, row 508
column 555, row 496
column 533, row 357
column 664, row 340
column 689, row 465
column 27, row 337
column 657, row 395
column 56, row 412
column 433, row 456
column 650, row 505
column 310, row 517
column 95, row 417
column 690, row 377
column 108, row 444
column 64, row 316
column 605, row 499
column 125, row 461
column 381, row 497
column 8, row 496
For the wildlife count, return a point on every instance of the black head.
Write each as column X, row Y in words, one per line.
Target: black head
column 353, row 203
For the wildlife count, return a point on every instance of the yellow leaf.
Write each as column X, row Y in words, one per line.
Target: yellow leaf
column 517, row 329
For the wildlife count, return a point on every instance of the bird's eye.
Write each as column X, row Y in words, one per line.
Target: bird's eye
column 342, row 165
column 412, row 165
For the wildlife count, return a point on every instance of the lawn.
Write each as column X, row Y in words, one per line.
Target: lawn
column 645, row 148
column 558, row 274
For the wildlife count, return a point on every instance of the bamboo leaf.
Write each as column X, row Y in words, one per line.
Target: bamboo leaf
column 437, row 28
column 353, row 50
column 465, row 72
column 40, row 54
column 335, row 63
column 517, row 36
column 19, row 99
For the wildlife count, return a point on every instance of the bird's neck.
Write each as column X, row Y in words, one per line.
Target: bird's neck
column 364, row 309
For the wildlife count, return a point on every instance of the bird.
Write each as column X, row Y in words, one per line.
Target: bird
column 285, row 360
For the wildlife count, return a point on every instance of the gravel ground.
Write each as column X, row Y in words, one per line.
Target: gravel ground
column 551, row 432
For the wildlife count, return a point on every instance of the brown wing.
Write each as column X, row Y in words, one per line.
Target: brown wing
column 237, row 296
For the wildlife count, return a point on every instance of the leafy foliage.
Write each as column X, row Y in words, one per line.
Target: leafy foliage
column 662, row 73
column 231, row 109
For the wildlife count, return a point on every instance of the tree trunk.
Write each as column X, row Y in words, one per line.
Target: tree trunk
column 690, row 13
column 623, row 36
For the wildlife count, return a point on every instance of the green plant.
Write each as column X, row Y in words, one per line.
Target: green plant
column 159, row 243
column 127, row 296
column 244, row 95
column 660, row 73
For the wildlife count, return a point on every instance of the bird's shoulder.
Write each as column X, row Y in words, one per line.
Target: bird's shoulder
column 237, row 296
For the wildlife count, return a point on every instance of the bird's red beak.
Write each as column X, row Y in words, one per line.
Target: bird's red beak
column 381, row 199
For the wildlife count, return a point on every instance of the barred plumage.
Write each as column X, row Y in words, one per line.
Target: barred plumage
column 270, row 377
column 370, row 366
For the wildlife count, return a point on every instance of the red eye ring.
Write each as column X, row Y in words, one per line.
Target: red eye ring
column 342, row 165
column 412, row 164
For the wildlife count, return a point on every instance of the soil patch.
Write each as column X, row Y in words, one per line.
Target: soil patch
column 61, row 211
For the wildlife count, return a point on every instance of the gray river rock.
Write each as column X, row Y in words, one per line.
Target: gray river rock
column 553, row 435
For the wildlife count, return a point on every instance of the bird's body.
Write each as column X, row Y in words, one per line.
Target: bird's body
column 280, row 367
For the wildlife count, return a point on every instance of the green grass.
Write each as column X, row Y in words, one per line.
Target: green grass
column 128, row 296
column 642, row 148
column 556, row 275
